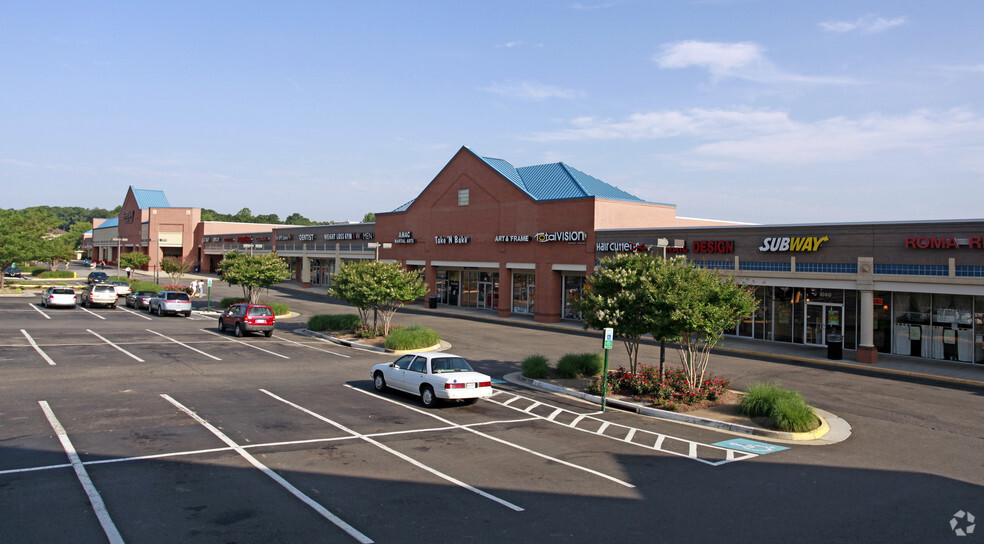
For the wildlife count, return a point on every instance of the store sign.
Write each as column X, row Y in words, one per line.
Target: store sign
column 620, row 247
column 128, row 216
column 452, row 239
column 405, row 237
column 805, row 243
column 513, row 238
column 244, row 239
column 284, row 237
column 713, row 246
column 943, row 242
column 340, row 236
column 305, row 237
column 571, row 236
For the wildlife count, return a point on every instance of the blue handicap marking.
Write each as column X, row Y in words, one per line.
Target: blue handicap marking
column 751, row 446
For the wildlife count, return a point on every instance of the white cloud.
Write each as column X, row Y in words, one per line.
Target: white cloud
column 728, row 139
column 868, row 24
column 532, row 91
column 741, row 60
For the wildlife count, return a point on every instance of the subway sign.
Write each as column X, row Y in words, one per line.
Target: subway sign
column 796, row 243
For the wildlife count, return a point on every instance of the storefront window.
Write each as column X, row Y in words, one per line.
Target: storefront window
column 524, row 293
column 573, row 286
column 953, row 327
column 913, row 335
column 782, row 323
column 979, row 330
column 882, row 321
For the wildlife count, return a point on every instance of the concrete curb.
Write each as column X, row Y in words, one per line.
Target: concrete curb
column 831, row 431
column 442, row 346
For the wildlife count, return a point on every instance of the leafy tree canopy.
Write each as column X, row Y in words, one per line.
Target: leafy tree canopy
column 23, row 237
column 253, row 272
column 378, row 287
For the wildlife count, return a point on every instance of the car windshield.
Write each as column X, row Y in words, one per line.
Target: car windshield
column 145, row 293
column 63, row 291
column 260, row 310
column 98, row 275
column 104, row 288
column 449, row 364
column 178, row 296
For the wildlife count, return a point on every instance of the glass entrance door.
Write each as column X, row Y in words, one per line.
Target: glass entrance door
column 822, row 320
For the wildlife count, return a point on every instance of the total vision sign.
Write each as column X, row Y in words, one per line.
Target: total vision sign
column 796, row 243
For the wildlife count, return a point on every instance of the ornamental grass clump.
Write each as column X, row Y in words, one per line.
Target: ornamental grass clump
column 786, row 408
column 412, row 337
column 536, row 367
column 575, row 365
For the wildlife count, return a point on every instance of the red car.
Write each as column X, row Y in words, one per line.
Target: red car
column 243, row 318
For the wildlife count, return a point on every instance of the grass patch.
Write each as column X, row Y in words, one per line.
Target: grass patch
column 334, row 322
column 279, row 308
column 536, row 367
column 412, row 337
column 54, row 274
column 575, row 365
column 787, row 409
column 145, row 286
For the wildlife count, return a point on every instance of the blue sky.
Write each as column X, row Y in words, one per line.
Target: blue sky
column 747, row 110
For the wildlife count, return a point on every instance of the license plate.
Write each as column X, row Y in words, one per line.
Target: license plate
column 262, row 321
column 471, row 385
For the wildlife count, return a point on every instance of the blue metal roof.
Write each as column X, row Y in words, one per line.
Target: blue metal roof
column 150, row 199
column 557, row 181
column 109, row 223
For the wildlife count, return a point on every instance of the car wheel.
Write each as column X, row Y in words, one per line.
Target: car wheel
column 112, row 306
column 187, row 314
column 268, row 334
column 427, row 396
column 239, row 330
column 221, row 326
column 160, row 311
column 378, row 381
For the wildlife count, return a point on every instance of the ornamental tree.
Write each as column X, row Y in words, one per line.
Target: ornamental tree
column 702, row 304
column 253, row 272
column 22, row 236
column 134, row 259
column 623, row 294
column 175, row 268
column 379, row 287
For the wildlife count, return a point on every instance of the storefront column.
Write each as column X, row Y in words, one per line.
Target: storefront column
column 305, row 269
column 547, row 308
column 430, row 278
column 867, row 352
column 505, row 290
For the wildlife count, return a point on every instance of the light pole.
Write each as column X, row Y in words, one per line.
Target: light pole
column 377, row 245
column 119, row 243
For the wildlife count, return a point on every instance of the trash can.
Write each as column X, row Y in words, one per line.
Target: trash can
column 835, row 347
column 432, row 302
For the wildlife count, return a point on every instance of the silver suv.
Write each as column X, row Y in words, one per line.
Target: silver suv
column 99, row 293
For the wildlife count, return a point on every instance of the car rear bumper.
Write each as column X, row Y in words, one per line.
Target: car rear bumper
column 257, row 327
column 463, row 394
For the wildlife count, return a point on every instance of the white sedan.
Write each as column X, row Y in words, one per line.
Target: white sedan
column 58, row 296
column 433, row 376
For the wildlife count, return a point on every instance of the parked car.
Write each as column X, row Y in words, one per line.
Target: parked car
column 170, row 302
column 122, row 287
column 12, row 271
column 103, row 295
column 433, row 376
column 58, row 296
column 96, row 277
column 139, row 299
column 243, row 318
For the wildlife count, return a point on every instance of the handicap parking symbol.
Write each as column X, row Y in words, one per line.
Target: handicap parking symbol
column 750, row 446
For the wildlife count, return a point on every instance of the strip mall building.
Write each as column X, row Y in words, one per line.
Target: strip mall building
column 491, row 237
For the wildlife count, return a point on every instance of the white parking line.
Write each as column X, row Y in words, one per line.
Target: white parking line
column 495, row 439
column 98, row 506
column 281, row 338
column 86, row 310
column 183, row 344
column 273, row 475
column 406, row 458
column 247, row 344
column 37, row 348
column 139, row 314
column 38, row 310
column 115, row 346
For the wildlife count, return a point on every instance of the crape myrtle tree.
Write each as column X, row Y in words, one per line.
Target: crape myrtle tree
column 253, row 272
column 134, row 259
column 22, row 236
column 175, row 268
column 623, row 294
column 378, row 287
column 703, row 304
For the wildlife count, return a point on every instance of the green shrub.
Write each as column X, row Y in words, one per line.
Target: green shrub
column 536, row 367
column 119, row 278
column 229, row 301
column 575, row 365
column 54, row 274
column 34, row 270
column 279, row 308
column 412, row 337
column 145, row 286
column 787, row 409
column 334, row 322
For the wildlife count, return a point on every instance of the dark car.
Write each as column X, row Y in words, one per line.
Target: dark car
column 140, row 299
column 12, row 271
column 97, row 277
column 243, row 318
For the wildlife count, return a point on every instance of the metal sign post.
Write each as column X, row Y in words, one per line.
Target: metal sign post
column 609, row 333
column 208, row 300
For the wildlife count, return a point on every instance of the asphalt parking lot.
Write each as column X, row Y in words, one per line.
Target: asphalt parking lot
column 121, row 426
